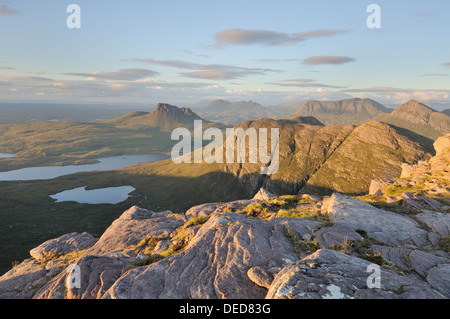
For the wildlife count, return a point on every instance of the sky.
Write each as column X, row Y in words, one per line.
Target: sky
column 183, row 52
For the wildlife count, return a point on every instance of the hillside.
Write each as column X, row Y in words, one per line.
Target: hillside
column 322, row 159
column 418, row 118
column 344, row 112
column 274, row 247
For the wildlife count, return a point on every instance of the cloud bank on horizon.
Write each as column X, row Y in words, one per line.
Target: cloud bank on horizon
column 273, row 52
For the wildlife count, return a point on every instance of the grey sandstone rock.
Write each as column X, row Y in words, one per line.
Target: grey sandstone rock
column 337, row 234
column 439, row 278
column 422, row 261
column 260, row 276
column 438, row 222
column 134, row 225
column 397, row 256
column 22, row 281
column 384, row 226
column 263, row 194
column 63, row 245
column 217, row 261
column 202, row 210
column 328, row 274
column 97, row 274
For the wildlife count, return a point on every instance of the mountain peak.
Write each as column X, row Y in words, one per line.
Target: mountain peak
column 166, row 117
column 419, row 118
column 172, row 109
column 414, row 106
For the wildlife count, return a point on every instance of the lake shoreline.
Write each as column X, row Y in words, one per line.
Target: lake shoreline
column 102, row 164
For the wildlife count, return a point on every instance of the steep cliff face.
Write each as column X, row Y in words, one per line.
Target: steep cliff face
column 265, row 247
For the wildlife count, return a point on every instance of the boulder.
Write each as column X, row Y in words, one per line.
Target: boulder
column 23, row 281
column 134, row 225
column 442, row 144
column 397, row 256
column 438, row 222
column 439, row 278
column 407, row 170
column 377, row 186
column 263, row 194
column 63, row 245
column 338, row 234
column 202, row 210
column 260, row 276
column 97, row 274
column 422, row 261
column 384, row 226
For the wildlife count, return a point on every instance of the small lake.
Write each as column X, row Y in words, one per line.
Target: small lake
column 6, row 155
column 50, row 172
column 110, row 195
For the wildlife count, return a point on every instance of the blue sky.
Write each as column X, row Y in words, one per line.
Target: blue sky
column 182, row 52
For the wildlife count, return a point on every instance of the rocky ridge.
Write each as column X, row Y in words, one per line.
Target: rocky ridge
column 266, row 247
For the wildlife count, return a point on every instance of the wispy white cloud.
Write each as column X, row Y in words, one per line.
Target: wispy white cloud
column 268, row 37
column 423, row 16
column 217, row 72
column 434, row 74
column 7, row 10
column 121, row 75
column 327, row 59
column 304, row 83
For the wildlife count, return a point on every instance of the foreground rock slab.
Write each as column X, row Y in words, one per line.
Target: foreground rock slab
column 328, row 274
column 218, row 261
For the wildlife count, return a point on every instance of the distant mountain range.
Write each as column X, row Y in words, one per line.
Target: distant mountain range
column 413, row 115
column 348, row 111
column 233, row 113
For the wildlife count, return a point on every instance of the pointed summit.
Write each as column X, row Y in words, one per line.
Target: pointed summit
column 166, row 117
column 415, row 108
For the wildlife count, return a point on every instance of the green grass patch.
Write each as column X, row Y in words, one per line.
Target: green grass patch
column 444, row 243
column 301, row 245
column 148, row 261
